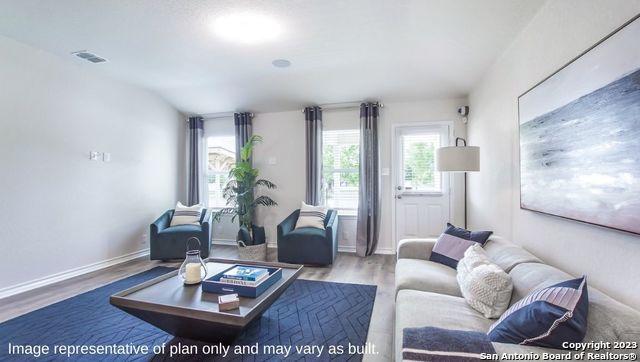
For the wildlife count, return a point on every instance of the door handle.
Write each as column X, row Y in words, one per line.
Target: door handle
column 399, row 188
column 398, row 197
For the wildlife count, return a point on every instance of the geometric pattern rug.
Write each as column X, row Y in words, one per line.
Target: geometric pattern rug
column 308, row 313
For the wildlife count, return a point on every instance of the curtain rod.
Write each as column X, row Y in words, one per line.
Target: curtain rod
column 344, row 105
column 326, row 106
column 219, row 115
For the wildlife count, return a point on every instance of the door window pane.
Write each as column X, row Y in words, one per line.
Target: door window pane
column 418, row 162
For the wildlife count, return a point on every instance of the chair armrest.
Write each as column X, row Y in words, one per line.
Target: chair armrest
column 332, row 226
column 207, row 220
column 288, row 224
column 415, row 248
column 162, row 222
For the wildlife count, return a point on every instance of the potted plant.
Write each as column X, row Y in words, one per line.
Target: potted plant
column 239, row 193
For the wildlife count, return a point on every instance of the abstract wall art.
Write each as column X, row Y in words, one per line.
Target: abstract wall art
column 580, row 136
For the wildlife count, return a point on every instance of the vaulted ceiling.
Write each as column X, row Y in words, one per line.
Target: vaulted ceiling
column 340, row 50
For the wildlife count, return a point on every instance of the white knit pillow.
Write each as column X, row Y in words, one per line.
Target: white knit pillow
column 484, row 286
column 186, row 215
column 311, row 216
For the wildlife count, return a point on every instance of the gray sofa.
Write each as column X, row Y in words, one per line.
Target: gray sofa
column 427, row 294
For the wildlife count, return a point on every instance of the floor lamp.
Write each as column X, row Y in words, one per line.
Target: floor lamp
column 459, row 158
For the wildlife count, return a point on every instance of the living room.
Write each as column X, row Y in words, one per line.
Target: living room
column 321, row 180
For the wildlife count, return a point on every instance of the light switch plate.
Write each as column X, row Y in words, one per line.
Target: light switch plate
column 106, row 157
column 272, row 161
column 94, row 155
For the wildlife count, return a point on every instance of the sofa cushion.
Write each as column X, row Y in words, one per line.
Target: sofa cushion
column 485, row 286
column 547, row 317
column 608, row 319
column 419, row 309
column 507, row 254
column 178, row 229
column 426, row 276
column 187, row 215
column 453, row 242
column 307, row 233
column 528, row 277
column 311, row 216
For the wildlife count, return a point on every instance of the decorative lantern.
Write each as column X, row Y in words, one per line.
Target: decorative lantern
column 193, row 270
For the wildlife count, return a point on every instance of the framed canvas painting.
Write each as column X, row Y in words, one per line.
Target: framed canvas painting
column 580, row 136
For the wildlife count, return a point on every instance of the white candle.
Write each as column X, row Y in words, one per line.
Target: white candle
column 192, row 273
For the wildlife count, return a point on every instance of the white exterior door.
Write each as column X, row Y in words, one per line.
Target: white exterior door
column 422, row 195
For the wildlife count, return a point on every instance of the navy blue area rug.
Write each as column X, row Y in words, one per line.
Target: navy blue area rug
column 308, row 313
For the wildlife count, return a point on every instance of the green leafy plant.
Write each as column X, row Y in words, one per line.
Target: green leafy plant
column 239, row 191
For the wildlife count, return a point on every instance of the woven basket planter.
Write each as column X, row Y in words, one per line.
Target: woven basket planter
column 252, row 252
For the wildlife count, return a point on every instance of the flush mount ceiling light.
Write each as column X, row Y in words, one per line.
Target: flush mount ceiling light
column 246, row 28
column 281, row 63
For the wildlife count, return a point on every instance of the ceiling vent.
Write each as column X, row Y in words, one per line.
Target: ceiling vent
column 89, row 56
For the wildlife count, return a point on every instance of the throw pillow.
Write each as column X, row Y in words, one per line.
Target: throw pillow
column 311, row 216
column 186, row 215
column 453, row 242
column 547, row 317
column 484, row 286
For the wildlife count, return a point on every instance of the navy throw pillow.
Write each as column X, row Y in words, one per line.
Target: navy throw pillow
column 453, row 242
column 547, row 317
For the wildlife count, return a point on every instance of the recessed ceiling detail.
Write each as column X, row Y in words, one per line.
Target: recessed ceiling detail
column 281, row 63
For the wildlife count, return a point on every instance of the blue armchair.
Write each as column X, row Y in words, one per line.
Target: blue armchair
column 308, row 245
column 171, row 242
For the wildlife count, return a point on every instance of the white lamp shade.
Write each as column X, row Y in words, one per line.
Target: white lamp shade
column 458, row 159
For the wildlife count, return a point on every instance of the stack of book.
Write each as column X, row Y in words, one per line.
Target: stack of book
column 245, row 275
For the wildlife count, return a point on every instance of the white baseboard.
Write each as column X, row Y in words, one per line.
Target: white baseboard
column 234, row 243
column 386, row 251
column 224, row 242
column 350, row 249
column 54, row 278
column 346, row 249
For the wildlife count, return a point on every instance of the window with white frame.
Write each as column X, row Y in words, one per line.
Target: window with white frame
column 221, row 157
column 340, row 168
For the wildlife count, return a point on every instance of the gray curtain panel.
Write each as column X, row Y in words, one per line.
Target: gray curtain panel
column 244, row 130
column 195, row 154
column 368, row 228
column 313, row 129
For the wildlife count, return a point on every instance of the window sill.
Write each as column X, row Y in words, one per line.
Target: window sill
column 348, row 214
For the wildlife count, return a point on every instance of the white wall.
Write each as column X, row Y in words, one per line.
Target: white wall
column 284, row 140
column 58, row 210
column 558, row 33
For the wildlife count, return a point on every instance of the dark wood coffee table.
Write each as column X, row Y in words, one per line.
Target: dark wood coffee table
column 185, row 311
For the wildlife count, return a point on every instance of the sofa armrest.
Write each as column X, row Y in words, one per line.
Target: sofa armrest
column 415, row 248
column 288, row 224
column 162, row 222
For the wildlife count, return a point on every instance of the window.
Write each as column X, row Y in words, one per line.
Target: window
column 418, row 162
column 221, row 157
column 340, row 166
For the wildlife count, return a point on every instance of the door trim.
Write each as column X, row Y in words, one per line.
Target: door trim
column 394, row 171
